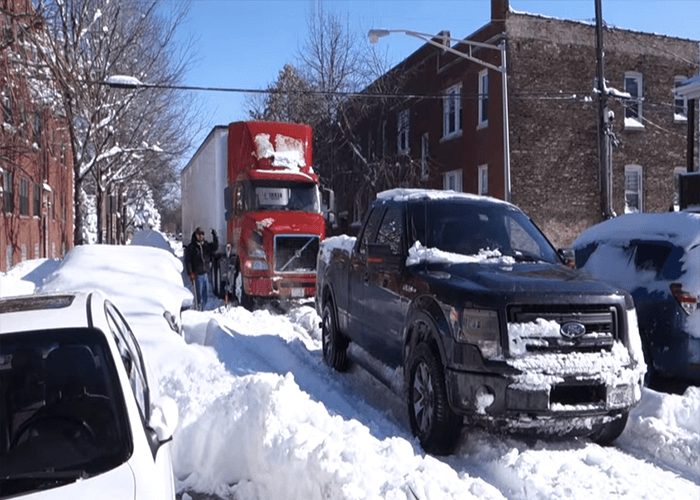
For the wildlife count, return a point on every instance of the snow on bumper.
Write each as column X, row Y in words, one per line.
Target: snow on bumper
column 552, row 393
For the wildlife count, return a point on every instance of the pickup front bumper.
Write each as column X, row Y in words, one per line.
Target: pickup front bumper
column 552, row 406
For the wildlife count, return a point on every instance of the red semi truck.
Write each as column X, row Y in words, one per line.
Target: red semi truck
column 253, row 182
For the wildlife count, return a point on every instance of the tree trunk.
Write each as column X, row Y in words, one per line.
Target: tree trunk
column 78, row 216
column 99, row 202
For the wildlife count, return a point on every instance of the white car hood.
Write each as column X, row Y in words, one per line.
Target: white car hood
column 116, row 484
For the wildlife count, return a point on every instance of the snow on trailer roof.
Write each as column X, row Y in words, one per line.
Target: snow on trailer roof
column 406, row 194
column 682, row 228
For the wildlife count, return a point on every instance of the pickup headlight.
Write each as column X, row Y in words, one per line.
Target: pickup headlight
column 480, row 327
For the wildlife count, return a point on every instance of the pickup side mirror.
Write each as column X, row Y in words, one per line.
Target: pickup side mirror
column 381, row 256
column 567, row 257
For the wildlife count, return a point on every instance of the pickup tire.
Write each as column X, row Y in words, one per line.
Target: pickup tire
column 432, row 420
column 606, row 434
column 335, row 345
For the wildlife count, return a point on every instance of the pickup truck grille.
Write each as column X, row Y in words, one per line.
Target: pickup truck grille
column 296, row 253
column 600, row 322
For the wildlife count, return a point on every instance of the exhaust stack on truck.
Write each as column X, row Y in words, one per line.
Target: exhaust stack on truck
column 254, row 182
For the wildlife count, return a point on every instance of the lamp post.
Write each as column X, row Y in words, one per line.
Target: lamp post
column 375, row 34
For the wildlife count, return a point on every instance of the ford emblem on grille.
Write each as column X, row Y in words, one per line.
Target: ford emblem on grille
column 572, row 329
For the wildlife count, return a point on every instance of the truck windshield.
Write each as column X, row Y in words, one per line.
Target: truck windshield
column 299, row 196
column 467, row 228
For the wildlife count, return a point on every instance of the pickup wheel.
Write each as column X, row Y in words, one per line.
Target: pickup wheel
column 432, row 420
column 606, row 434
column 335, row 346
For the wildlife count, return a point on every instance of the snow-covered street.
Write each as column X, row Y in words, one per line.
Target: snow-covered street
column 261, row 415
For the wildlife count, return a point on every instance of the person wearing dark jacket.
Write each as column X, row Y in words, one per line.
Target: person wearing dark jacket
column 198, row 258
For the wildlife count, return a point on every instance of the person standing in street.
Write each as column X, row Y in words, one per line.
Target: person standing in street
column 198, row 258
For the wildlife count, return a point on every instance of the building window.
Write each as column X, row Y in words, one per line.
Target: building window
column 8, row 193
column 452, row 111
column 483, row 180
column 633, row 107
column 483, row 119
column 402, row 131
column 680, row 104
column 7, row 106
column 452, row 180
column 634, row 192
column 36, row 129
column 677, row 186
column 37, row 200
column 385, row 149
column 357, row 210
column 23, row 197
column 424, row 156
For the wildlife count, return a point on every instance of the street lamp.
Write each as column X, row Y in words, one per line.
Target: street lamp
column 375, row 34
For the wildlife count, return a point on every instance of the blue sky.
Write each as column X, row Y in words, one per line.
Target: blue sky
column 244, row 43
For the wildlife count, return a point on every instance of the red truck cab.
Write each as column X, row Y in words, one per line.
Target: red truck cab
column 274, row 221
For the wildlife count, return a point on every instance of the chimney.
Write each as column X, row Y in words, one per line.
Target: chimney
column 499, row 9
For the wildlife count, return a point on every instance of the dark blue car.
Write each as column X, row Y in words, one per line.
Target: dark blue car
column 656, row 257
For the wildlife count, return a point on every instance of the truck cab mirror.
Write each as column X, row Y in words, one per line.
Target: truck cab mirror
column 382, row 257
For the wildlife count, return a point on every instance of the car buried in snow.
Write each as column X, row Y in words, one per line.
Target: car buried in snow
column 76, row 419
column 656, row 257
column 472, row 303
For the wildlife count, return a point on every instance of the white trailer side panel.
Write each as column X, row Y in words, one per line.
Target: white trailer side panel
column 202, row 182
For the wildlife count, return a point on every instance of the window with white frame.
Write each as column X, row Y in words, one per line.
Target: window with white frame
column 483, row 108
column 677, row 171
column 633, row 107
column 634, row 189
column 357, row 212
column 452, row 180
column 23, row 196
column 452, row 111
column 680, row 104
column 483, row 180
column 402, row 132
column 424, row 156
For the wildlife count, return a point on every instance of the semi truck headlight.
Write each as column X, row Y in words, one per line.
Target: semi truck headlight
column 256, row 265
column 480, row 327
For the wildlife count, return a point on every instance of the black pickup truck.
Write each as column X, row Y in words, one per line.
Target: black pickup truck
column 486, row 323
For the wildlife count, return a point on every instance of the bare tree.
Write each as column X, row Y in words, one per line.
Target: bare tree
column 85, row 42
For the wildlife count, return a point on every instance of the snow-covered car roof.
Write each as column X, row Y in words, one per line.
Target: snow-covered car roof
column 680, row 228
column 44, row 311
column 405, row 194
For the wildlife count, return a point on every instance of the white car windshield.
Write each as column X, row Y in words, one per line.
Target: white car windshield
column 62, row 414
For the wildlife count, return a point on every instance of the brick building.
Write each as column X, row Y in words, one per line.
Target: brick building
column 446, row 120
column 36, row 178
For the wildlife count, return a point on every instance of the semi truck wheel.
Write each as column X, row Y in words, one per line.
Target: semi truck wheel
column 244, row 300
column 432, row 420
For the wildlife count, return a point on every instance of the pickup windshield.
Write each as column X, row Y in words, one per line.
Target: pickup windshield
column 271, row 195
column 62, row 414
column 466, row 227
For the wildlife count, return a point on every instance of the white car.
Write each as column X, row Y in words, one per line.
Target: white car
column 76, row 420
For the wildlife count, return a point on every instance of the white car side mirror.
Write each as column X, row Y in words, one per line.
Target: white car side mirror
column 164, row 418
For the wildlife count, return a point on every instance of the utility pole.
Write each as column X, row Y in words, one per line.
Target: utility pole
column 604, row 119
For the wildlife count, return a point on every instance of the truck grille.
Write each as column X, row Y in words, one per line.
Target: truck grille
column 600, row 322
column 296, row 254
